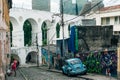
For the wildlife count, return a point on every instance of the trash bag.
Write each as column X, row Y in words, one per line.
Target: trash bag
column 9, row 72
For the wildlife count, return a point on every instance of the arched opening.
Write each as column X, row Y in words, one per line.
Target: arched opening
column 31, row 57
column 57, row 30
column 44, row 33
column 15, row 56
column 27, row 33
column 11, row 29
column 14, row 26
column 15, row 23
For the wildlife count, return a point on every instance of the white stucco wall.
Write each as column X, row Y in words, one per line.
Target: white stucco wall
column 36, row 18
column 99, row 15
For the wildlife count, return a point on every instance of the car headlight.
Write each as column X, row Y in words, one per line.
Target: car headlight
column 84, row 66
column 69, row 69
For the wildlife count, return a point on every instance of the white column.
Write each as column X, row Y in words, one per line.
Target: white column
column 18, row 39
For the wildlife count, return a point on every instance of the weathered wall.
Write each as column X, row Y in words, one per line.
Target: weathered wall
column 4, row 37
column 94, row 37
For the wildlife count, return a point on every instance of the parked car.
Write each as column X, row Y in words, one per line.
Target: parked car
column 73, row 66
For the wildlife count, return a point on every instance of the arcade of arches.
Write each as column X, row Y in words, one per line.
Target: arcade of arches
column 28, row 30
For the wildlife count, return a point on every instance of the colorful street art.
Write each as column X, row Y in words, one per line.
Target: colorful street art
column 95, row 64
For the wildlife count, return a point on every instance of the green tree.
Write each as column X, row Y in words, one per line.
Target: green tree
column 27, row 33
column 44, row 33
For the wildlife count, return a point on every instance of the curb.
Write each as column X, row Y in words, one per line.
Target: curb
column 51, row 70
column 54, row 70
column 59, row 71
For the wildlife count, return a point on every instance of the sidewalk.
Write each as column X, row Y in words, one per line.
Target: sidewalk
column 88, row 75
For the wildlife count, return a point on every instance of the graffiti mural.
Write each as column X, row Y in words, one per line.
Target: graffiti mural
column 95, row 64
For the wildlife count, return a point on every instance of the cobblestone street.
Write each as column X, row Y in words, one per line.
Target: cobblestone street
column 35, row 73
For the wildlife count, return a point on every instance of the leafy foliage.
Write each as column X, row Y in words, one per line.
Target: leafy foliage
column 44, row 34
column 94, row 64
column 27, row 33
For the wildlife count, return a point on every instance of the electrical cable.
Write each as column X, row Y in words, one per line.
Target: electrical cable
column 84, row 12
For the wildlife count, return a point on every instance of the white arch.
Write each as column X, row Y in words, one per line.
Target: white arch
column 36, row 18
column 34, row 24
column 14, row 22
column 35, row 28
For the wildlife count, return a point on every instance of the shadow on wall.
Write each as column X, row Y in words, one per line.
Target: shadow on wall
column 31, row 57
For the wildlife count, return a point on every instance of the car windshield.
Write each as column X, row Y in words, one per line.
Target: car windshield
column 75, row 62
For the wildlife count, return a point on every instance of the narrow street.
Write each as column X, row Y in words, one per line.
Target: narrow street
column 35, row 73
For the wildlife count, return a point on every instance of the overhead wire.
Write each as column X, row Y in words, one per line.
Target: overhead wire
column 113, row 1
column 84, row 12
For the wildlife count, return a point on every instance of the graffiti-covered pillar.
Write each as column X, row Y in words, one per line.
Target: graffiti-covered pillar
column 118, row 61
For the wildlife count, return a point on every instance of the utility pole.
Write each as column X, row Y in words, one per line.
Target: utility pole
column 62, row 24
column 49, row 64
column 37, row 50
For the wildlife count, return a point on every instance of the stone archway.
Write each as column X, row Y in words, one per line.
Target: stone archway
column 27, row 28
column 44, row 33
column 30, row 28
column 14, row 26
column 31, row 57
column 14, row 23
column 45, row 27
column 15, row 56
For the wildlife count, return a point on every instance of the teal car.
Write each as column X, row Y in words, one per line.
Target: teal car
column 73, row 66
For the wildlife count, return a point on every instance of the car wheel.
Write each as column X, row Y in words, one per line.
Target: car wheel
column 63, row 71
column 68, row 74
column 85, row 73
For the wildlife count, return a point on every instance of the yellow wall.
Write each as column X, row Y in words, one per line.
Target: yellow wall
column 6, row 13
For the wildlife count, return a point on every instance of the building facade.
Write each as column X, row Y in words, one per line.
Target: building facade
column 46, row 28
column 41, row 5
column 73, row 7
column 107, row 16
column 4, row 36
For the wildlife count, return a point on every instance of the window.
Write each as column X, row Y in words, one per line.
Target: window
column 117, row 20
column 116, row 32
column 105, row 21
column 108, row 20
